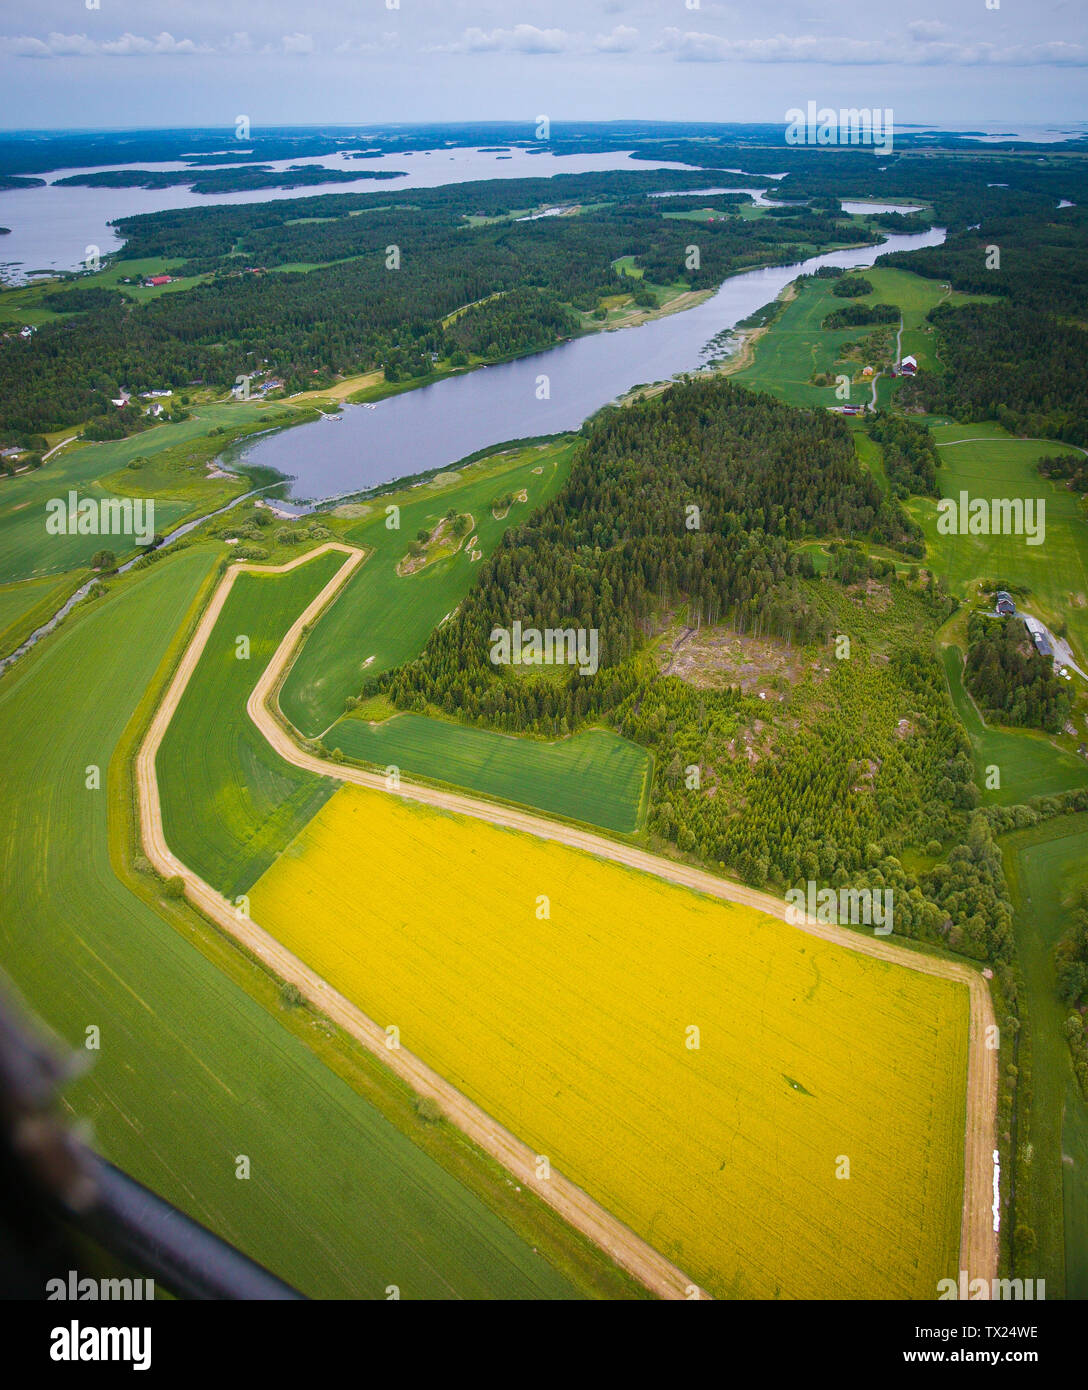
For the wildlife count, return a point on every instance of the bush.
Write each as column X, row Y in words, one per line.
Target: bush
column 175, row 887
column 428, row 1110
column 852, row 287
column 103, row 560
column 291, row 997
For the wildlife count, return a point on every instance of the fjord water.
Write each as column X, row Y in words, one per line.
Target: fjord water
column 434, row 426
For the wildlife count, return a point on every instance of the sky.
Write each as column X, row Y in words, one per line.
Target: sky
column 125, row 63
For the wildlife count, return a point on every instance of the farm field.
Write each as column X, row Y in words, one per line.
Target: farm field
column 994, row 464
column 1029, row 763
column 27, row 550
column 596, row 776
column 25, row 606
column 383, row 619
column 1045, row 865
column 229, row 804
column 796, row 347
column 571, row 1032
column 192, row 1070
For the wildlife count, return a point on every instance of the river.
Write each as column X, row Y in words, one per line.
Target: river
column 433, row 426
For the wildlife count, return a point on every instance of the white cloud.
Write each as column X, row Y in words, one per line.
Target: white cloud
column 128, row 45
column 527, row 38
column 621, row 40
column 927, row 29
column 387, row 40
column 693, row 47
column 523, row 38
column 293, row 43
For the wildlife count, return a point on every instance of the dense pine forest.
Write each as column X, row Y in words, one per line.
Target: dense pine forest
column 1010, row 680
column 833, row 772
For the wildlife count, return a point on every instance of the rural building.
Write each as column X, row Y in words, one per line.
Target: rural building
column 1042, row 644
column 908, row 366
column 1004, row 604
column 153, row 280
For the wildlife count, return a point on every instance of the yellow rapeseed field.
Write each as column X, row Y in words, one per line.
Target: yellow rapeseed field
column 573, row 1032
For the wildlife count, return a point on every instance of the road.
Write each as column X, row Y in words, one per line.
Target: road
column 978, row 1241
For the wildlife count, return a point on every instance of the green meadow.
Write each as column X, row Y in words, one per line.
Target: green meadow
column 382, row 618
column 29, row 604
column 985, row 461
column 1028, row 763
column 198, row 1060
column 229, row 803
column 797, row 348
column 596, row 776
column 1045, row 866
column 96, row 471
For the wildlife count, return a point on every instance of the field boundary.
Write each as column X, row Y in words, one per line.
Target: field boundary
column 978, row 1240
column 628, row 1250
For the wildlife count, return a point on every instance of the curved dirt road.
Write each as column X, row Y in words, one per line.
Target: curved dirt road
column 978, row 1241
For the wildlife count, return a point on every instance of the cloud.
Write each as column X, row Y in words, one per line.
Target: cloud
column 350, row 46
column 621, row 40
column 80, row 46
column 136, row 46
column 293, row 43
column 523, row 38
column 527, row 38
column 693, row 47
column 927, row 29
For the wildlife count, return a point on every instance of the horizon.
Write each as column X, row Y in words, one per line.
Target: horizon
column 116, row 65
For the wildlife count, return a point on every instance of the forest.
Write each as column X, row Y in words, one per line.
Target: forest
column 1012, row 682
column 864, row 757
column 911, row 459
column 861, row 315
column 361, row 313
column 1018, row 361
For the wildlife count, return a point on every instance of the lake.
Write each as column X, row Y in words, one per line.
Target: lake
column 52, row 227
column 434, row 426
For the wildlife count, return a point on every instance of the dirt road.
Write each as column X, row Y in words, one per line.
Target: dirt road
column 978, row 1252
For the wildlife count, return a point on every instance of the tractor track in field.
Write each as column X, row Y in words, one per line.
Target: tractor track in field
column 978, row 1240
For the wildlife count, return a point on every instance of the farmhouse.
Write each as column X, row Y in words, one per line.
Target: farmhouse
column 1004, row 604
column 155, row 280
column 908, row 366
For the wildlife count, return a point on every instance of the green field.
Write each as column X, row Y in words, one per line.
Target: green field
column 994, row 464
column 382, row 619
column 596, row 776
column 1045, row 865
column 192, row 1070
column 797, row 348
column 25, row 606
column 27, row 550
column 1029, row 764
column 229, row 803
column 1075, row 1188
